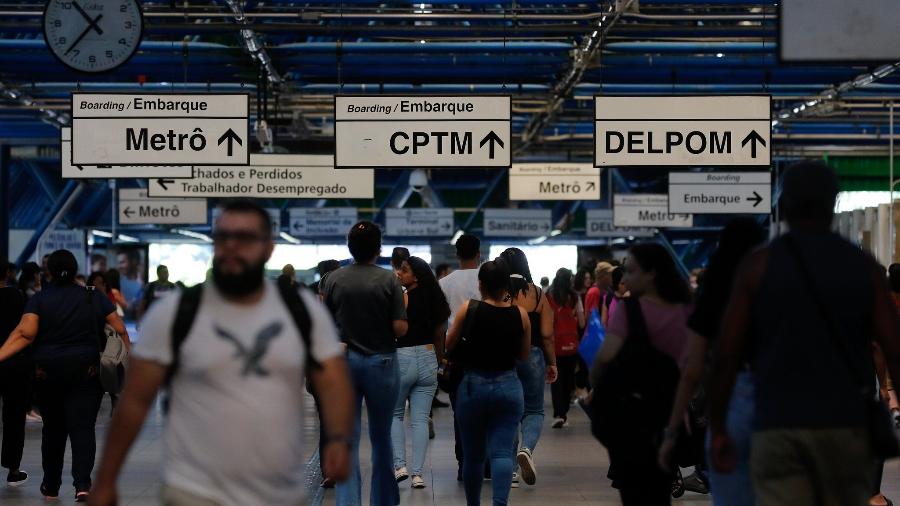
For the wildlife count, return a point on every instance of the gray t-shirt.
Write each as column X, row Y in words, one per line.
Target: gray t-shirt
column 365, row 301
column 234, row 430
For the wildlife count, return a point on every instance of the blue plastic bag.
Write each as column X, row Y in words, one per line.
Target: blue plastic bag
column 593, row 338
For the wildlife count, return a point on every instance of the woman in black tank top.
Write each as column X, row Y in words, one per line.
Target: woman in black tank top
column 492, row 336
column 540, row 367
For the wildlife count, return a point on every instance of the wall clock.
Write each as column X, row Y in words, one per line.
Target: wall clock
column 93, row 35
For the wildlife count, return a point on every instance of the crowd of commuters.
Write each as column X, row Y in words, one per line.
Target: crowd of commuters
column 774, row 390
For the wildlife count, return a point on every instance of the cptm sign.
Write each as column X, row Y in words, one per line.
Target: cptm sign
column 694, row 131
column 422, row 131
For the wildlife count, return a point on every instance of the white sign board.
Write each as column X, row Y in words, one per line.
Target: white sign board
column 720, row 193
column 274, row 215
column 275, row 177
column 839, row 31
column 647, row 211
column 70, row 171
column 517, row 222
column 72, row 240
column 554, row 181
column 599, row 223
column 422, row 131
column 160, row 129
column 135, row 208
column 693, row 131
column 434, row 222
column 327, row 221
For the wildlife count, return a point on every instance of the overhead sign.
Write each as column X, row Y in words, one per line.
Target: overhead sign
column 720, row 193
column 694, row 131
column 554, row 181
column 422, row 131
column 599, row 223
column 838, row 31
column 327, row 221
column 433, row 222
column 70, row 171
column 160, row 129
column 135, row 208
column 71, row 240
column 272, row 176
column 517, row 222
column 647, row 211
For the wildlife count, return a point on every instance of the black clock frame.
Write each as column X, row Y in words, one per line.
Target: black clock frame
column 96, row 72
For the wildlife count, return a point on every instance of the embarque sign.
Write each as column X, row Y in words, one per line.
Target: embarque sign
column 160, row 129
column 682, row 131
column 720, row 193
column 422, row 131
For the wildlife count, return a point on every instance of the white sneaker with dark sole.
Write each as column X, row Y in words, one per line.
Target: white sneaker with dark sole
column 418, row 482
column 558, row 423
column 401, row 474
column 526, row 466
column 515, row 481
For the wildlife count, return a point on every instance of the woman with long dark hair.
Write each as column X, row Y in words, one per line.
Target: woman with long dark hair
column 739, row 238
column 492, row 334
column 64, row 325
column 656, row 311
column 427, row 312
column 568, row 317
column 541, row 364
column 30, row 279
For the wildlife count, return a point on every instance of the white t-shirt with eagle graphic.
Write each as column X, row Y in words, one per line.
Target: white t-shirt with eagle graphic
column 234, row 427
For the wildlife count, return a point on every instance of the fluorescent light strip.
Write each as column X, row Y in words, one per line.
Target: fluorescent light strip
column 456, row 236
column 192, row 234
column 289, row 238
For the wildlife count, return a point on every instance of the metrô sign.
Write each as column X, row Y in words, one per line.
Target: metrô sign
column 554, row 181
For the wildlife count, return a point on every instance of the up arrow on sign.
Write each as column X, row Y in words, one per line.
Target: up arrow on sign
column 231, row 137
column 491, row 139
column 753, row 137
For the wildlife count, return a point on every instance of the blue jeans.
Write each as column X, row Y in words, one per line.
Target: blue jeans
column 375, row 378
column 532, row 374
column 736, row 488
column 418, row 383
column 489, row 407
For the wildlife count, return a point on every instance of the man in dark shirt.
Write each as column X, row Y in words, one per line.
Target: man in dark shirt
column 15, row 388
column 158, row 289
column 367, row 304
column 810, row 353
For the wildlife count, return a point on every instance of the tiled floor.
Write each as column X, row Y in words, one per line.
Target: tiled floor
column 571, row 469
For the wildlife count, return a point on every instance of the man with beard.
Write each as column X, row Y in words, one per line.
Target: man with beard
column 243, row 355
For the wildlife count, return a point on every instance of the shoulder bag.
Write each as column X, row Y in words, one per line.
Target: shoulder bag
column 451, row 370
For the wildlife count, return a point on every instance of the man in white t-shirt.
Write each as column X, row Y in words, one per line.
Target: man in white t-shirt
column 243, row 356
column 459, row 287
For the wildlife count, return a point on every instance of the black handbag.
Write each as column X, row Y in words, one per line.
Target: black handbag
column 635, row 391
column 451, row 367
column 882, row 438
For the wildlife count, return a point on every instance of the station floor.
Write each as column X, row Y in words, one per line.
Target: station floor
column 571, row 469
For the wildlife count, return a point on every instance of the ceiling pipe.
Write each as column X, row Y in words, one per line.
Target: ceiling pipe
column 252, row 44
column 824, row 101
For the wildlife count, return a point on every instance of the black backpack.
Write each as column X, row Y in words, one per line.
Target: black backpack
column 636, row 390
column 187, row 312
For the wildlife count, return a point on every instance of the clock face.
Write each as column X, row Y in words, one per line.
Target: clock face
column 93, row 35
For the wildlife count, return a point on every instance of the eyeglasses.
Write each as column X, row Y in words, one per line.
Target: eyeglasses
column 240, row 237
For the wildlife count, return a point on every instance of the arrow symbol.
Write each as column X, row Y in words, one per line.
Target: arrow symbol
column 753, row 137
column 79, row 167
column 491, row 139
column 296, row 226
column 447, row 226
column 231, row 137
column 591, row 186
column 164, row 182
column 756, row 199
column 127, row 212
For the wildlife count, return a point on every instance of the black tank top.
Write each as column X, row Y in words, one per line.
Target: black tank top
column 495, row 339
column 537, row 339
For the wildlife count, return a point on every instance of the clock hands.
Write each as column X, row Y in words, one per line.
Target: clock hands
column 87, row 17
column 85, row 32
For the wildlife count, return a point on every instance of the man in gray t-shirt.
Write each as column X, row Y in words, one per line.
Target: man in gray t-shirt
column 367, row 303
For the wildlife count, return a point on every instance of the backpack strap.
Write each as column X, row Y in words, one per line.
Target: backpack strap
column 181, row 327
column 637, row 325
column 300, row 315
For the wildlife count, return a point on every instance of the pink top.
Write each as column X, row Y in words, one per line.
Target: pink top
column 666, row 324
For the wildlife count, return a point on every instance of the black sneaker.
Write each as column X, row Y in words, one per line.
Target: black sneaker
column 16, row 478
column 50, row 495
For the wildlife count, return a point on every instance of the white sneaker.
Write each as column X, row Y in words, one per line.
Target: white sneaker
column 559, row 423
column 401, row 474
column 515, row 481
column 526, row 465
column 418, row 482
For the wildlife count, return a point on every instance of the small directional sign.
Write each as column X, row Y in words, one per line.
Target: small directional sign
column 647, row 210
column 431, row 222
column 422, row 131
column 517, row 222
column 693, row 131
column 136, row 208
column 160, row 129
column 599, row 223
column 720, row 193
column 554, row 181
column 70, row 171
column 272, row 176
column 327, row 221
